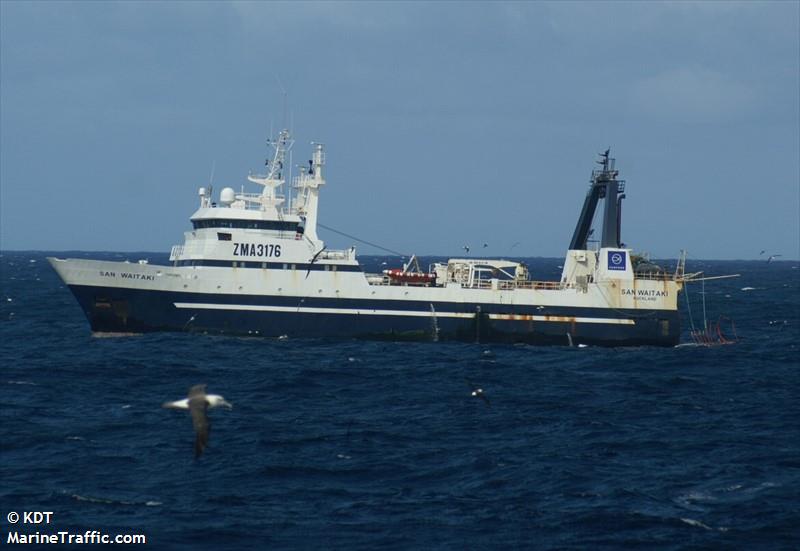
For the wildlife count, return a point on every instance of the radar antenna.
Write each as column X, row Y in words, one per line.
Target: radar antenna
column 280, row 147
column 604, row 156
column 274, row 177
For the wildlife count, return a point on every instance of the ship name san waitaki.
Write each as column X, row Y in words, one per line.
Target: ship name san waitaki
column 644, row 294
column 127, row 275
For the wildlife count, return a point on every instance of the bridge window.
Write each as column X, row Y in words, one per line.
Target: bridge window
column 278, row 225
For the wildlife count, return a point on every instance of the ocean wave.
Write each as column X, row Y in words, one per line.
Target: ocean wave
column 601, row 448
column 109, row 501
column 692, row 522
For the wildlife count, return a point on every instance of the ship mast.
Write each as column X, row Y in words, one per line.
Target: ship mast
column 308, row 184
column 604, row 185
column 275, row 173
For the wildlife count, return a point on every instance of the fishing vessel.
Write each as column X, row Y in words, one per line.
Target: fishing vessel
column 254, row 264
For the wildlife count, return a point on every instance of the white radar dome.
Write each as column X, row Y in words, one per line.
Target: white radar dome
column 227, row 196
column 201, row 192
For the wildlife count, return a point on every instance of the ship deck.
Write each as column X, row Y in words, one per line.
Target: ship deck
column 504, row 285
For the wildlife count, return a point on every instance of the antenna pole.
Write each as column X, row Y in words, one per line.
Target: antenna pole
column 689, row 308
column 283, row 91
column 705, row 321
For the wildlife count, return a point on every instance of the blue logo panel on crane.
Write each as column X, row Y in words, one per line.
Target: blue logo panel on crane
column 616, row 260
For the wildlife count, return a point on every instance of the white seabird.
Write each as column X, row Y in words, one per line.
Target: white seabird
column 198, row 403
column 477, row 392
column 773, row 257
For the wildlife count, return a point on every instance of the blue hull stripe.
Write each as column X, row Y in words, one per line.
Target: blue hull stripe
column 139, row 310
column 375, row 312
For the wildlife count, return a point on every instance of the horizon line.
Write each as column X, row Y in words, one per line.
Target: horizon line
column 44, row 251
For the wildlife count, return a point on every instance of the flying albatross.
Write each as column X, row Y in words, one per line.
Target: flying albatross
column 198, row 403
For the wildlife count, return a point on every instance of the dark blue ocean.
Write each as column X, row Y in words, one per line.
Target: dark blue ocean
column 380, row 445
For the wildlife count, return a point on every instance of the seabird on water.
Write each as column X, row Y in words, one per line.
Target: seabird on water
column 198, row 403
column 477, row 392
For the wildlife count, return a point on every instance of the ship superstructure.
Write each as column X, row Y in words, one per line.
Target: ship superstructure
column 253, row 264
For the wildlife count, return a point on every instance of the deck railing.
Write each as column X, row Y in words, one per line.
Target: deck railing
column 509, row 285
column 654, row 276
column 347, row 254
column 504, row 285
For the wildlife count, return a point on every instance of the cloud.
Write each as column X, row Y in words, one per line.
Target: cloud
column 692, row 94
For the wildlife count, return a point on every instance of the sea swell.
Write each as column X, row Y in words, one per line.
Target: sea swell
column 358, row 445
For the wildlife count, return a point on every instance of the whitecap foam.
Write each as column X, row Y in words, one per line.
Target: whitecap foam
column 692, row 498
column 692, row 522
column 762, row 486
column 91, row 499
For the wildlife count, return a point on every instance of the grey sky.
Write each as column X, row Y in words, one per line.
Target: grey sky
column 445, row 123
